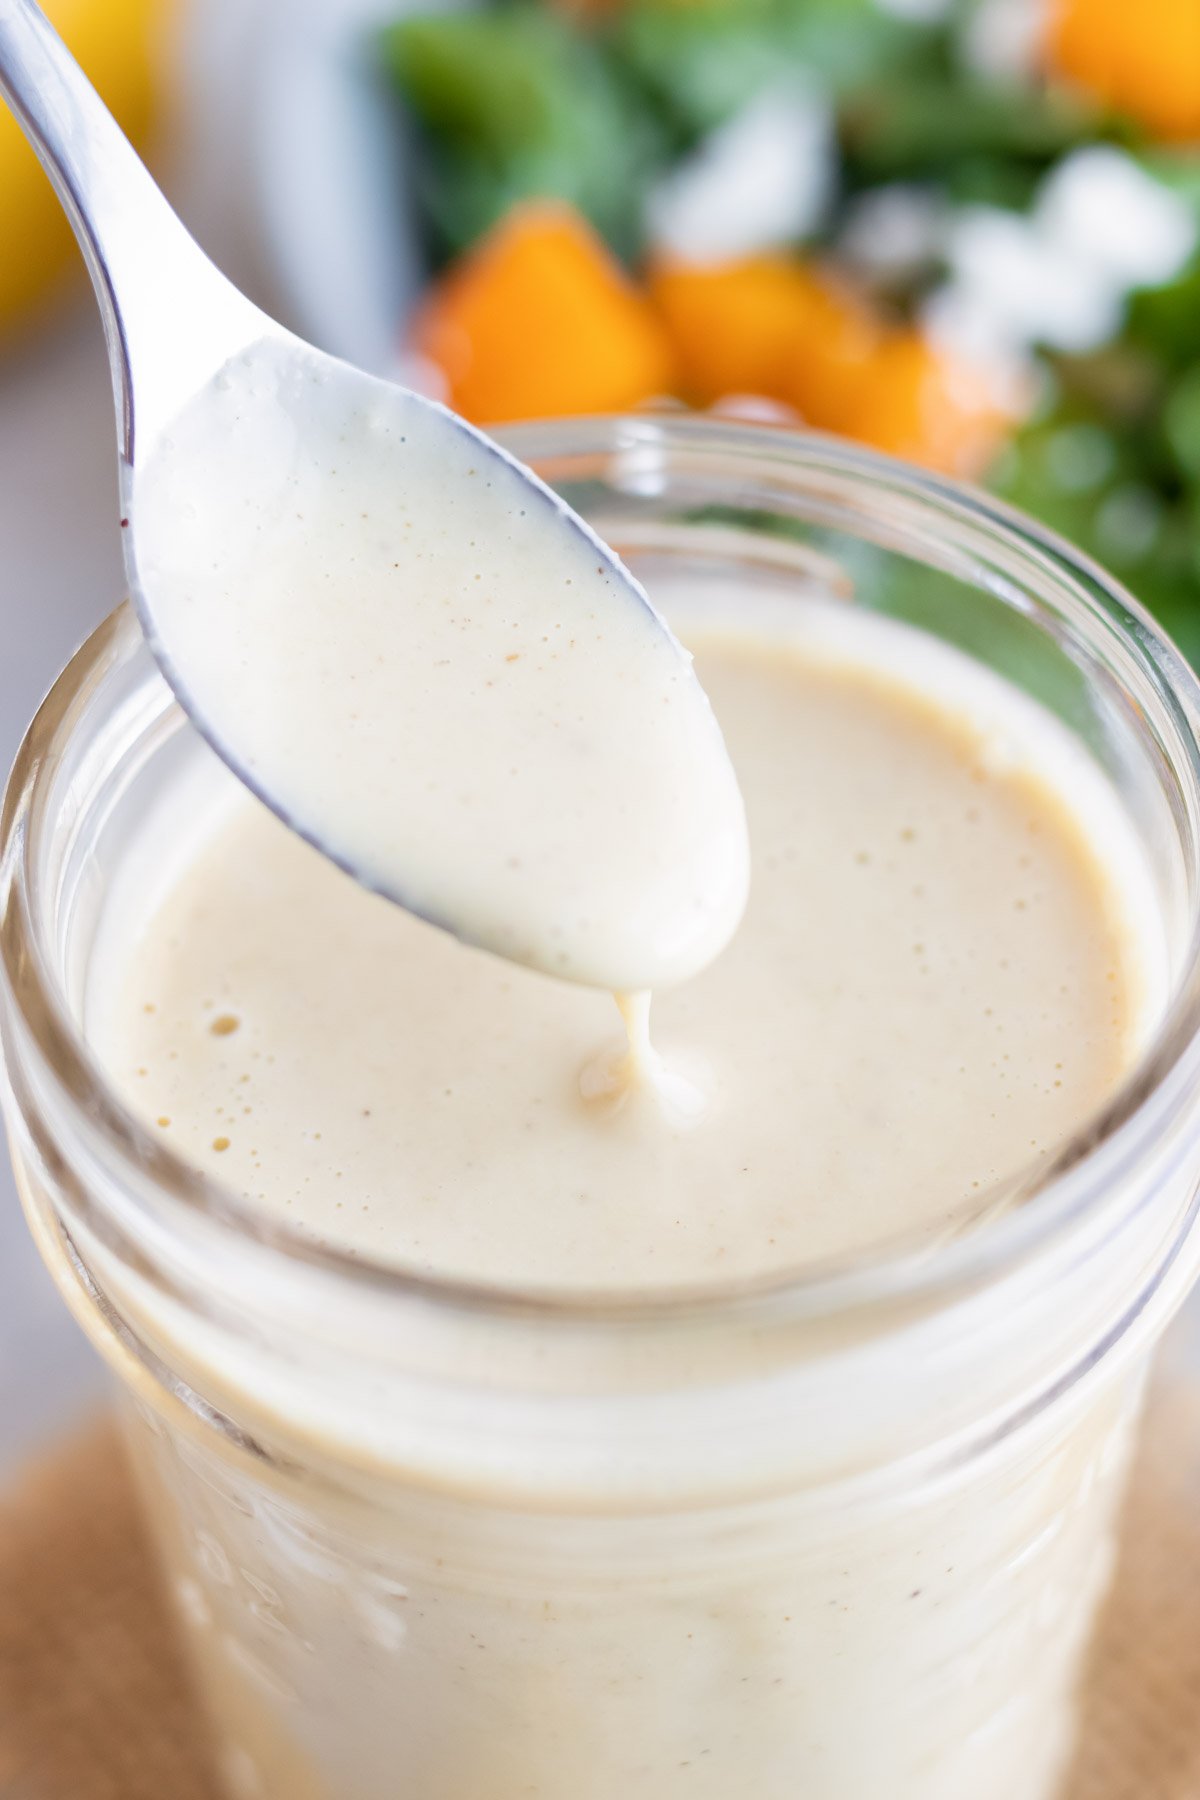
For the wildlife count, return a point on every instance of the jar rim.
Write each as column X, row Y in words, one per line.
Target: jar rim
column 1038, row 1205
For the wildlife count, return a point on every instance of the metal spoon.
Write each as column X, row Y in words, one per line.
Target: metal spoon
column 654, row 885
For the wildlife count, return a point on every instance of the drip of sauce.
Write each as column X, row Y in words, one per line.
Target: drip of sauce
column 634, row 1070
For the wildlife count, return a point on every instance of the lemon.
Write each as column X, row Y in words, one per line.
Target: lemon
column 118, row 42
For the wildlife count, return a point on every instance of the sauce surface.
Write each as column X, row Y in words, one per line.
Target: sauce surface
column 947, row 963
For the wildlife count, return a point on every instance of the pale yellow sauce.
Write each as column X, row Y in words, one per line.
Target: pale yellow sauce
column 942, row 971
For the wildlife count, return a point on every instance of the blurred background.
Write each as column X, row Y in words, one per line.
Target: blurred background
column 966, row 232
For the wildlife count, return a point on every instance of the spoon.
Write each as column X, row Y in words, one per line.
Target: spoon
column 391, row 631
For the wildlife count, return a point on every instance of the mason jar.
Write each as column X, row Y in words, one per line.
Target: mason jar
column 840, row 1532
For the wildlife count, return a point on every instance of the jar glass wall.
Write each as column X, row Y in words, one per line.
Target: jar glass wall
column 842, row 1532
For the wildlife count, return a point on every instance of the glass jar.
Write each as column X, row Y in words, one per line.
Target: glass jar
column 840, row 1533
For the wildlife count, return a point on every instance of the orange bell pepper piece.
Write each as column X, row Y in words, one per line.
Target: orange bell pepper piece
column 828, row 371
column 775, row 326
column 1142, row 59
column 538, row 320
column 731, row 323
column 919, row 403
column 768, row 325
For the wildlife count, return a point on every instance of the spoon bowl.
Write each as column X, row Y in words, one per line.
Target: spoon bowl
column 397, row 636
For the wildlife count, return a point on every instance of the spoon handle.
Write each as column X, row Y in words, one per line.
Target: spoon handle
column 170, row 317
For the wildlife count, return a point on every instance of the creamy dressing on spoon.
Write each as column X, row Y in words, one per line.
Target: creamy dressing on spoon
column 439, row 675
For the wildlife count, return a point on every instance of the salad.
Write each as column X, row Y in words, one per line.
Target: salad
column 966, row 232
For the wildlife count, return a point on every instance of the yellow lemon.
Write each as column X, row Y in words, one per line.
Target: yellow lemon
column 119, row 43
